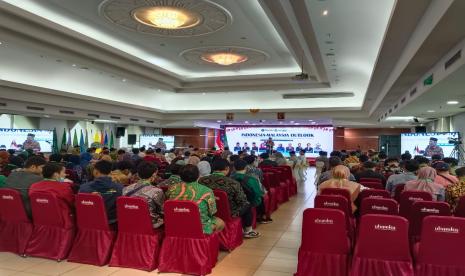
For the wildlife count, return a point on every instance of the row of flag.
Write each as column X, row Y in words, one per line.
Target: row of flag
column 100, row 137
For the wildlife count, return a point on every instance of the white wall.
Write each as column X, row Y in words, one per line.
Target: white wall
column 5, row 121
column 25, row 122
column 458, row 124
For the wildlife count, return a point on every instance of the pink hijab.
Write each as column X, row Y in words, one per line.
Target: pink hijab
column 425, row 181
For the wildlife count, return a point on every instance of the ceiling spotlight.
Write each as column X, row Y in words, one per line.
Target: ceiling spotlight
column 291, row 122
column 74, row 65
column 229, row 123
column 124, row 80
column 430, row 111
column 204, row 93
column 297, row 124
column 219, row 121
column 310, row 120
column 1, row 43
column 224, row 58
column 47, row 116
column 325, row 12
column 246, row 122
column 167, row 17
column 452, row 102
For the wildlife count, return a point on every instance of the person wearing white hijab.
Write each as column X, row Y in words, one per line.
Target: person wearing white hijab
column 204, row 168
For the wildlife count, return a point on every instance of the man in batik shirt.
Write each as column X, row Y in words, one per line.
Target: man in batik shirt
column 456, row 191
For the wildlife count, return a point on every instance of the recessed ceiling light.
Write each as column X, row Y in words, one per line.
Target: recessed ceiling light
column 229, row 123
column 74, row 65
column 204, row 93
column 292, row 122
column 167, row 17
column 280, row 123
column 47, row 116
column 452, row 102
column 159, row 90
column 219, row 121
column 297, row 123
column 124, row 80
column 430, row 111
column 313, row 123
column 246, row 122
column 1, row 43
column 325, row 12
column 310, row 120
column 224, row 58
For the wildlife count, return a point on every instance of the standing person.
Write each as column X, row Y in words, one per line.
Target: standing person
column 410, row 169
column 425, row 182
column 433, row 148
column 22, row 180
column 443, row 176
column 154, row 196
column 174, row 178
column 299, row 166
column 160, row 144
column 269, row 145
column 31, row 143
column 103, row 185
column 279, row 158
column 266, row 161
column 369, row 171
column 456, row 191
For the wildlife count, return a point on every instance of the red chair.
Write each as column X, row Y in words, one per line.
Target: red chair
column 267, row 176
column 407, row 198
column 373, row 193
column 53, row 232
column 398, row 191
column 137, row 244
column 231, row 236
column 94, row 239
column 422, row 209
column 325, row 247
column 372, row 185
column 186, row 249
column 383, row 247
column 15, row 226
column 369, row 179
column 279, row 182
column 292, row 181
column 460, row 209
column 342, row 192
column 381, row 206
column 339, row 203
column 440, row 252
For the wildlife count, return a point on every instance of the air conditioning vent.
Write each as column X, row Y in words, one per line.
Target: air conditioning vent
column 134, row 120
column 453, row 59
column 318, row 95
column 66, row 112
column 413, row 92
column 35, row 108
column 403, row 100
column 93, row 115
column 462, row 106
column 396, row 106
column 2, row 104
column 150, row 121
column 115, row 117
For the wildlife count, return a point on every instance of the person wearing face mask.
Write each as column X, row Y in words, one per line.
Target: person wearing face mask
column 55, row 183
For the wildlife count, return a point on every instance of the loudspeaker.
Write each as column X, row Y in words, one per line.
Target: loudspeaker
column 120, row 132
column 132, row 139
column 420, row 129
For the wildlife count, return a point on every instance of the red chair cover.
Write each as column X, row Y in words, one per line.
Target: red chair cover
column 372, row 185
column 185, row 248
column 460, row 209
column 325, row 247
column 369, row 179
column 407, row 198
column 382, row 206
column 383, row 247
column 339, row 203
column 15, row 226
column 94, row 239
column 342, row 192
column 441, row 247
column 422, row 209
column 279, row 183
column 284, row 183
column 292, row 181
column 374, row 193
column 267, row 176
column 398, row 191
column 137, row 244
column 231, row 236
column 53, row 232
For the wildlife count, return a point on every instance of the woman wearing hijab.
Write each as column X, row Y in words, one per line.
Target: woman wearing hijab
column 193, row 160
column 340, row 179
column 425, row 182
column 204, row 168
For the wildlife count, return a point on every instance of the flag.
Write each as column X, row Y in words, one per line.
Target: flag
column 218, row 143
column 102, row 138
column 75, row 139
column 82, row 145
column 105, row 140
column 63, row 140
column 96, row 137
column 68, row 141
column 55, row 141
column 86, row 140
column 112, row 141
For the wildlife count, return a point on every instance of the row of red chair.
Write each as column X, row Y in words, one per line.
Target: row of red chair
column 382, row 246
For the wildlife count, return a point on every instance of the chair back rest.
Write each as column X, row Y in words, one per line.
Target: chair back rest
column 381, row 206
column 422, row 209
column 398, row 191
column 342, row 192
column 383, row 237
column 372, row 185
column 373, row 193
column 324, row 231
column 133, row 215
column 11, row 206
column 90, row 212
column 182, row 219
column 267, row 176
column 287, row 170
column 45, row 209
column 460, row 209
column 334, row 202
column 407, row 198
column 442, row 241
column 222, row 205
column 369, row 179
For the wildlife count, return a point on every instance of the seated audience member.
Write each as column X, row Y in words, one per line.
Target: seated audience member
column 204, row 168
column 236, row 196
column 174, row 178
column 333, row 162
column 369, row 171
column 193, row 160
column 422, row 161
column 410, row 169
column 159, row 154
column 103, row 185
column 150, row 157
column 340, row 179
column 279, row 159
column 266, row 161
column 406, row 157
column 22, row 179
column 392, row 166
column 55, row 183
column 142, row 152
column 252, row 169
column 226, row 153
column 154, row 196
column 252, row 189
column 56, row 157
column 444, row 177
column 191, row 190
column 352, row 160
column 435, row 158
column 322, row 157
column 453, row 163
column 123, row 173
column 456, row 191
column 425, row 182
column 2, row 181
